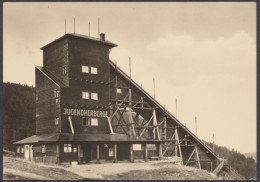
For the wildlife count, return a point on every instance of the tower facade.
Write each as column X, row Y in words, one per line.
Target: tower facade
column 72, row 87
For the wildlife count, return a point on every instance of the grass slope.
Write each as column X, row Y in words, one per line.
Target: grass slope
column 19, row 169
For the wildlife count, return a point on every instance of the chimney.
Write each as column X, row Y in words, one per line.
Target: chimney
column 102, row 37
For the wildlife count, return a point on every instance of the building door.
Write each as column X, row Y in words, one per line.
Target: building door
column 26, row 152
column 31, row 152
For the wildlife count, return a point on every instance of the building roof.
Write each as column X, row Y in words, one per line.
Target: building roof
column 51, row 76
column 81, row 137
column 85, row 37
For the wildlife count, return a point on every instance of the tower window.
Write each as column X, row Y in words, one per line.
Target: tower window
column 119, row 90
column 85, row 95
column 56, row 120
column 64, row 70
column 94, row 96
column 85, row 69
column 56, row 95
column 85, row 121
column 94, row 70
column 94, row 121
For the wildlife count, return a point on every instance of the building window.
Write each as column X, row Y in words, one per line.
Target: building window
column 110, row 152
column 85, row 95
column 67, row 148
column 94, row 70
column 119, row 90
column 56, row 120
column 22, row 149
column 85, row 69
column 94, row 96
column 18, row 149
column 56, row 93
column 43, row 149
column 151, row 147
column 85, row 121
column 64, row 70
column 74, row 149
column 137, row 147
column 94, row 121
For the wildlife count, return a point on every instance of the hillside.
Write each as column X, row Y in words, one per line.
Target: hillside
column 18, row 113
column 246, row 166
column 154, row 170
column 19, row 123
column 251, row 154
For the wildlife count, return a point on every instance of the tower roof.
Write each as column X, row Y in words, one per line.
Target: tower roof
column 85, row 37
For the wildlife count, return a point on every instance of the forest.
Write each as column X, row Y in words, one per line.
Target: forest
column 19, row 123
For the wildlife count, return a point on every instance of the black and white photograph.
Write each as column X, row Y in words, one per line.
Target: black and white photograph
column 129, row 90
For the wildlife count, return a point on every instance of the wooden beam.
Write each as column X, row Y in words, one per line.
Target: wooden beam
column 145, row 152
column 79, row 148
column 116, row 92
column 146, row 125
column 178, row 142
column 197, row 155
column 131, row 153
column 155, row 124
column 71, row 126
column 58, row 153
column 110, row 126
column 160, row 151
column 98, row 154
column 115, row 152
column 154, row 119
column 190, row 156
column 165, row 134
column 168, row 144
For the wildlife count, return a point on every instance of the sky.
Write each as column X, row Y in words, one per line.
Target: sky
column 201, row 53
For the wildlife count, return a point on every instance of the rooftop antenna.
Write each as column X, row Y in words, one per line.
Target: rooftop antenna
column 98, row 25
column 130, row 67
column 74, row 24
column 196, row 126
column 176, row 106
column 88, row 28
column 153, row 88
column 213, row 147
column 65, row 26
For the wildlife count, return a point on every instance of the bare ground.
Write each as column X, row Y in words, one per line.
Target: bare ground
column 18, row 169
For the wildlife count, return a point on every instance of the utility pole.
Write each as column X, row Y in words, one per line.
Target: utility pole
column 153, row 88
column 196, row 126
column 213, row 147
column 176, row 106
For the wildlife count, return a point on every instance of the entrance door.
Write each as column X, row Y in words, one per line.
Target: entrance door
column 26, row 152
column 31, row 152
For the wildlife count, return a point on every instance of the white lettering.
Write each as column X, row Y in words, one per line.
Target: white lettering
column 84, row 112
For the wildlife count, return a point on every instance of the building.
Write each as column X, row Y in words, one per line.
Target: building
column 89, row 110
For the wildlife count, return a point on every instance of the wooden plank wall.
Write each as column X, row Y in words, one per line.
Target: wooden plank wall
column 49, row 157
column 46, row 107
column 55, row 57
